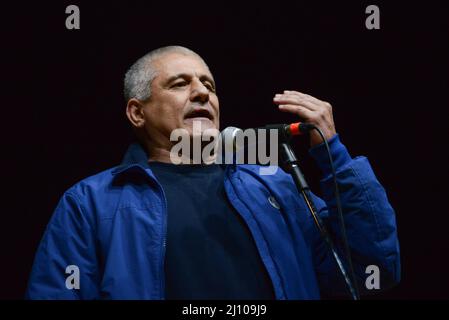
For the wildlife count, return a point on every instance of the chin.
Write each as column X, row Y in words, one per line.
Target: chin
column 198, row 126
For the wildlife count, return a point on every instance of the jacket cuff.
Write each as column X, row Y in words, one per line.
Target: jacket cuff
column 340, row 155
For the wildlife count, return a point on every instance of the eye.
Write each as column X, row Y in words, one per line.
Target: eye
column 180, row 84
column 209, row 86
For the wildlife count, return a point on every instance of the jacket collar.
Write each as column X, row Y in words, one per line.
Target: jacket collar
column 135, row 157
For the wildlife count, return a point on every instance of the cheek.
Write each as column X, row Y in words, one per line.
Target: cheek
column 169, row 116
column 217, row 118
column 160, row 117
column 171, row 108
column 168, row 110
column 172, row 115
column 215, row 104
column 174, row 104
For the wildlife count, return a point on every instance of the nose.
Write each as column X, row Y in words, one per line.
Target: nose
column 199, row 92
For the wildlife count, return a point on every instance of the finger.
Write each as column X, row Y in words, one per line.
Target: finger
column 304, row 96
column 296, row 100
column 301, row 111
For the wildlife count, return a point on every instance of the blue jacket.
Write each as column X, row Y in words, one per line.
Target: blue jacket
column 112, row 226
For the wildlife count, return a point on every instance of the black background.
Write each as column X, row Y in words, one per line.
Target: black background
column 63, row 109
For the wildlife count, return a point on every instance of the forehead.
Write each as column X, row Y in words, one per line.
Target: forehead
column 170, row 64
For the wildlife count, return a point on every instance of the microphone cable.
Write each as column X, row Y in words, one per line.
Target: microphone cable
column 355, row 294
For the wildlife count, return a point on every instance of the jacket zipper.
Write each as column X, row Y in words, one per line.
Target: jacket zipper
column 164, row 242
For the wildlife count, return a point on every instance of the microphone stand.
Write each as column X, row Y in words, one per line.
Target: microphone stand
column 303, row 188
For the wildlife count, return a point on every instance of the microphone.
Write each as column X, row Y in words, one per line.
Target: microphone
column 229, row 134
column 293, row 129
column 286, row 130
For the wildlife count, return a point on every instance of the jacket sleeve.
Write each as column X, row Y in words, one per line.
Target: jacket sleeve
column 67, row 247
column 369, row 221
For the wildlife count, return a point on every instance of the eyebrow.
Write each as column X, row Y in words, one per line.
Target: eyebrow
column 185, row 75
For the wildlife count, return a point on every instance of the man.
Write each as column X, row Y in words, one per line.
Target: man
column 150, row 229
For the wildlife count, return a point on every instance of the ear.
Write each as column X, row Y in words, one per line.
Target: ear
column 134, row 112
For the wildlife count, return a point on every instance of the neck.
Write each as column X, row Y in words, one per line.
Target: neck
column 164, row 154
column 159, row 155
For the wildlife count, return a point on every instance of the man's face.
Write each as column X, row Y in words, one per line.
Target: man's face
column 182, row 92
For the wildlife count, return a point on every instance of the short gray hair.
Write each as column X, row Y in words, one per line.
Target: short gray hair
column 139, row 76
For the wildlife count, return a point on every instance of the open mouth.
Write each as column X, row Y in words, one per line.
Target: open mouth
column 199, row 114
